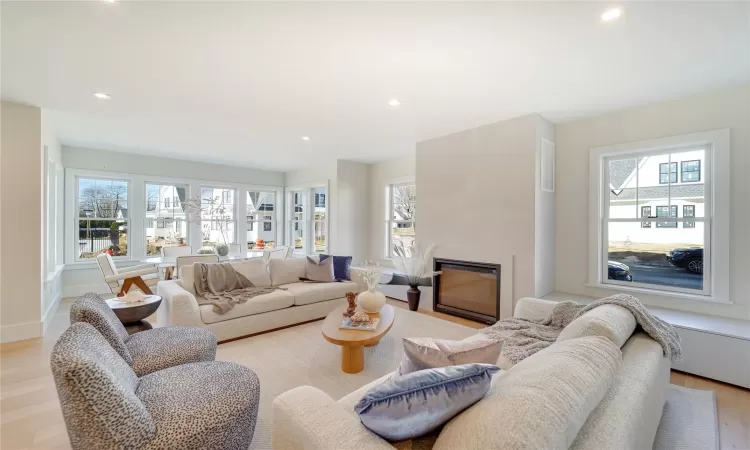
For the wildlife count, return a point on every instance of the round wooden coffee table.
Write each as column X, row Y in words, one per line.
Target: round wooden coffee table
column 132, row 314
column 353, row 342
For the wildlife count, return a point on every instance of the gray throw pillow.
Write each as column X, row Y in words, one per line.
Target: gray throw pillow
column 411, row 405
column 428, row 353
column 320, row 271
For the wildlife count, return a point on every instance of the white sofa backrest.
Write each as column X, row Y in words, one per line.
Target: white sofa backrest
column 285, row 271
column 610, row 321
column 254, row 270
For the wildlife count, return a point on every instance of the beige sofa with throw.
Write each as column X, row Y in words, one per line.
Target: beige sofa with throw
column 297, row 302
column 573, row 395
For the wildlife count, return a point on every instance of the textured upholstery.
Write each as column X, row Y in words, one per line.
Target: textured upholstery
column 306, row 293
column 92, row 309
column 97, row 392
column 272, row 301
column 285, row 271
column 610, row 321
column 206, row 405
column 255, row 270
column 428, row 353
column 530, row 308
column 629, row 414
column 203, row 405
column 148, row 350
column 542, row 402
column 184, row 264
column 162, row 348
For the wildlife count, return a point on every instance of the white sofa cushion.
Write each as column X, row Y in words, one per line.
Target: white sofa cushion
column 255, row 270
column 187, row 278
column 277, row 299
column 542, row 402
column 285, row 271
column 610, row 321
column 306, row 293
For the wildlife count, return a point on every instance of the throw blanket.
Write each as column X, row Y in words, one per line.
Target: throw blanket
column 223, row 287
column 522, row 338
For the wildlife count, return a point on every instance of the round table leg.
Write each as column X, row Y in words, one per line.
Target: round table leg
column 135, row 327
column 352, row 358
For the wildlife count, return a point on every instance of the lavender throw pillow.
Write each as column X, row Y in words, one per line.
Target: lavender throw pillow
column 341, row 266
column 320, row 271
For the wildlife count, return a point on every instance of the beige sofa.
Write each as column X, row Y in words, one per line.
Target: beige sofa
column 297, row 302
column 618, row 407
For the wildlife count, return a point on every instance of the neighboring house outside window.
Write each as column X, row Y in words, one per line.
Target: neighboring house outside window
column 261, row 209
column 103, row 221
column 667, row 176
column 691, row 171
column 638, row 183
column 308, row 226
column 218, row 219
column 166, row 221
column 401, row 219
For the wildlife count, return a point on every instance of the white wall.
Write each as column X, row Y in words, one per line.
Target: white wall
column 91, row 159
column 544, row 219
column 53, row 212
column 381, row 175
column 488, row 176
column 352, row 211
column 728, row 108
column 22, row 230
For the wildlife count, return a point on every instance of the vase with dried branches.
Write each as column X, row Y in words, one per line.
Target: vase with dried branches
column 215, row 210
column 416, row 268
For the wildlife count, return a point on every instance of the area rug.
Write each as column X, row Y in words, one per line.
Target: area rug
column 689, row 421
column 300, row 356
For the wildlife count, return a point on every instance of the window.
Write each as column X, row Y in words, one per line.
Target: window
column 688, row 211
column 666, row 177
column 645, row 212
column 666, row 211
column 261, row 236
column 401, row 226
column 102, row 223
column 308, row 226
column 689, row 261
column 218, row 222
column 166, row 220
column 691, row 171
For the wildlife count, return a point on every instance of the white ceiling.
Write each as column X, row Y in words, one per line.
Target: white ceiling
column 241, row 83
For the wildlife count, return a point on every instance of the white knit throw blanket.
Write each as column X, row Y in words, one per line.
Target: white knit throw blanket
column 528, row 336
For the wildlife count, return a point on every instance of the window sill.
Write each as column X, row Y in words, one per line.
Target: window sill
column 681, row 295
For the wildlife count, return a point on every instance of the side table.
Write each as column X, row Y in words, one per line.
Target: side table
column 132, row 314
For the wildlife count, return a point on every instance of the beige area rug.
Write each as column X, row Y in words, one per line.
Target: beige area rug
column 300, row 356
column 689, row 421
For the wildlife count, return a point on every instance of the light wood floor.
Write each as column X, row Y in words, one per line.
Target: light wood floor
column 30, row 416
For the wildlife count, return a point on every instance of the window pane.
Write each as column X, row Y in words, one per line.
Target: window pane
column 661, row 257
column 402, row 238
column 166, row 217
column 622, row 191
column 404, row 201
column 98, row 236
column 297, row 230
column 217, row 232
column 320, row 236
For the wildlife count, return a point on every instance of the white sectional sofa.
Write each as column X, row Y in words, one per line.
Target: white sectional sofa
column 623, row 413
column 298, row 301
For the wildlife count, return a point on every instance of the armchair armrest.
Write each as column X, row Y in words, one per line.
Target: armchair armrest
column 131, row 274
column 307, row 418
column 530, row 308
column 178, row 306
column 134, row 268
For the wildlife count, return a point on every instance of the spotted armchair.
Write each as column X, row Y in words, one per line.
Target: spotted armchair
column 202, row 405
column 145, row 351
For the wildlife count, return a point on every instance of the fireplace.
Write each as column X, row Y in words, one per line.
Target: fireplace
column 467, row 289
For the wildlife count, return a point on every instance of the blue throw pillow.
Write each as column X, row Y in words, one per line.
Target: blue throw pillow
column 341, row 265
column 414, row 404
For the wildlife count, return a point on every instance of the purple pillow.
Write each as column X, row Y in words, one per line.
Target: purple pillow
column 341, row 265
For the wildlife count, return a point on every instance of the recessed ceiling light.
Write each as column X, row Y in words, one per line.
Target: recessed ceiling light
column 102, row 95
column 611, row 14
column 393, row 102
column 305, row 138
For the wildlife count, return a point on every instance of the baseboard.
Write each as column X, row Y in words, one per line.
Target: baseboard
column 50, row 313
column 80, row 289
column 21, row 331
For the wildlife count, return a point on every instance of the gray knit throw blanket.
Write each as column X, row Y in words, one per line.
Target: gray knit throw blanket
column 522, row 338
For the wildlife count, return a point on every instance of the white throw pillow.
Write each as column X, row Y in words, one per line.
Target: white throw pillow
column 285, row 271
column 255, row 270
column 542, row 402
column 428, row 353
